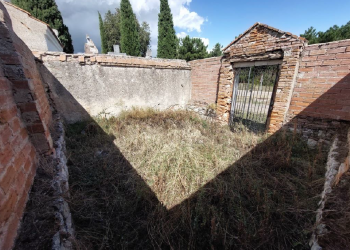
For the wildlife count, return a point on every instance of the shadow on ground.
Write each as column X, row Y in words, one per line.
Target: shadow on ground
column 265, row 200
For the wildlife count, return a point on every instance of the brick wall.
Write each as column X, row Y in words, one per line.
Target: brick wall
column 322, row 89
column 205, row 78
column 261, row 43
column 17, row 164
column 25, row 118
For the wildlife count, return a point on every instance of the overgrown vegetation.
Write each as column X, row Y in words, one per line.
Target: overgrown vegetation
column 171, row 180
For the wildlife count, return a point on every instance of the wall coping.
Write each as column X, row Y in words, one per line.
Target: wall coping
column 321, row 44
column 112, row 60
column 210, row 59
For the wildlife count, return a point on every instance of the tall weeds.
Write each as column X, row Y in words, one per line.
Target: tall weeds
column 170, row 180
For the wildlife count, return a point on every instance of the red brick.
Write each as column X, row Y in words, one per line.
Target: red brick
column 11, row 233
column 28, row 107
column 19, row 161
column 326, row 57
column 21, row 84
column 6, row 114
column 7, row 206
column 36, row 128
column 10, row 59
column 306, row 69
column 309, row 58
column 5, row 134
column 342, row 68
column 330, row 62
column 6, row 157
column 15, row 125
column 28, row 164
column 336, row 50
column 317, row 52
column 343, row 56
column 345, row 62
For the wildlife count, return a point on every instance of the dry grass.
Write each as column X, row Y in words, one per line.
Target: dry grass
column 170, row 180
column 176, row 153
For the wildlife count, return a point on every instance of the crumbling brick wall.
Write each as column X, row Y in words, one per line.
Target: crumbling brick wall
column 313, row 88
column 262, row 43
column 204, row 78
column 25, row 118
column 320, row 105
column 322, row 89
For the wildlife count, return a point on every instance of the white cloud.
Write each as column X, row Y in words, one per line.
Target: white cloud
column 204, row 40
column 185, row 19
column 181, row 34
column 81, row 18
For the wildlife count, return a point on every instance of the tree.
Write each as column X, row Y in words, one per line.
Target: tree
column 166, row 32
column 103, row 35
column 112, row 23
column 216, row 50
column 111, row 26
column 130, row 39
column 311, row 35
column 145, row 38
column 47, row 11
column 334, row 33
column 192, row 49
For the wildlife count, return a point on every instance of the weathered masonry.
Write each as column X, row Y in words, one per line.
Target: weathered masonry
column 262, row 45
column 266, row 76
column 25, row 121
column 106, row 84
column 310, row 91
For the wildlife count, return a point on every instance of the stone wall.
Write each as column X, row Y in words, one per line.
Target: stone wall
column 36, row 34
column 25, row 118
column 88, row 85
column 204, row 77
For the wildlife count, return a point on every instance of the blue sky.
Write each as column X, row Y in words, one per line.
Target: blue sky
column 213, row 21
column 227, row 19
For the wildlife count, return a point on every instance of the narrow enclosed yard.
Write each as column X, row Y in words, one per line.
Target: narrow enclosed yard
column 171, row 180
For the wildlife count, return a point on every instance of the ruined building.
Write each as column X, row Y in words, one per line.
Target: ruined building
column 308, row 91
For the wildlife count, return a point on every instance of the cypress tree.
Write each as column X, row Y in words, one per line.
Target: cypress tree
column 47, row 11
column 111, row 25
column 166, row 33
column 130, row 39
column 103, row 35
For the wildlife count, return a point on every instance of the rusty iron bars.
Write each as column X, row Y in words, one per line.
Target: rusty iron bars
column 253, row 94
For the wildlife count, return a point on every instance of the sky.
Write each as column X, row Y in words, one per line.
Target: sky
column 212, row 21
